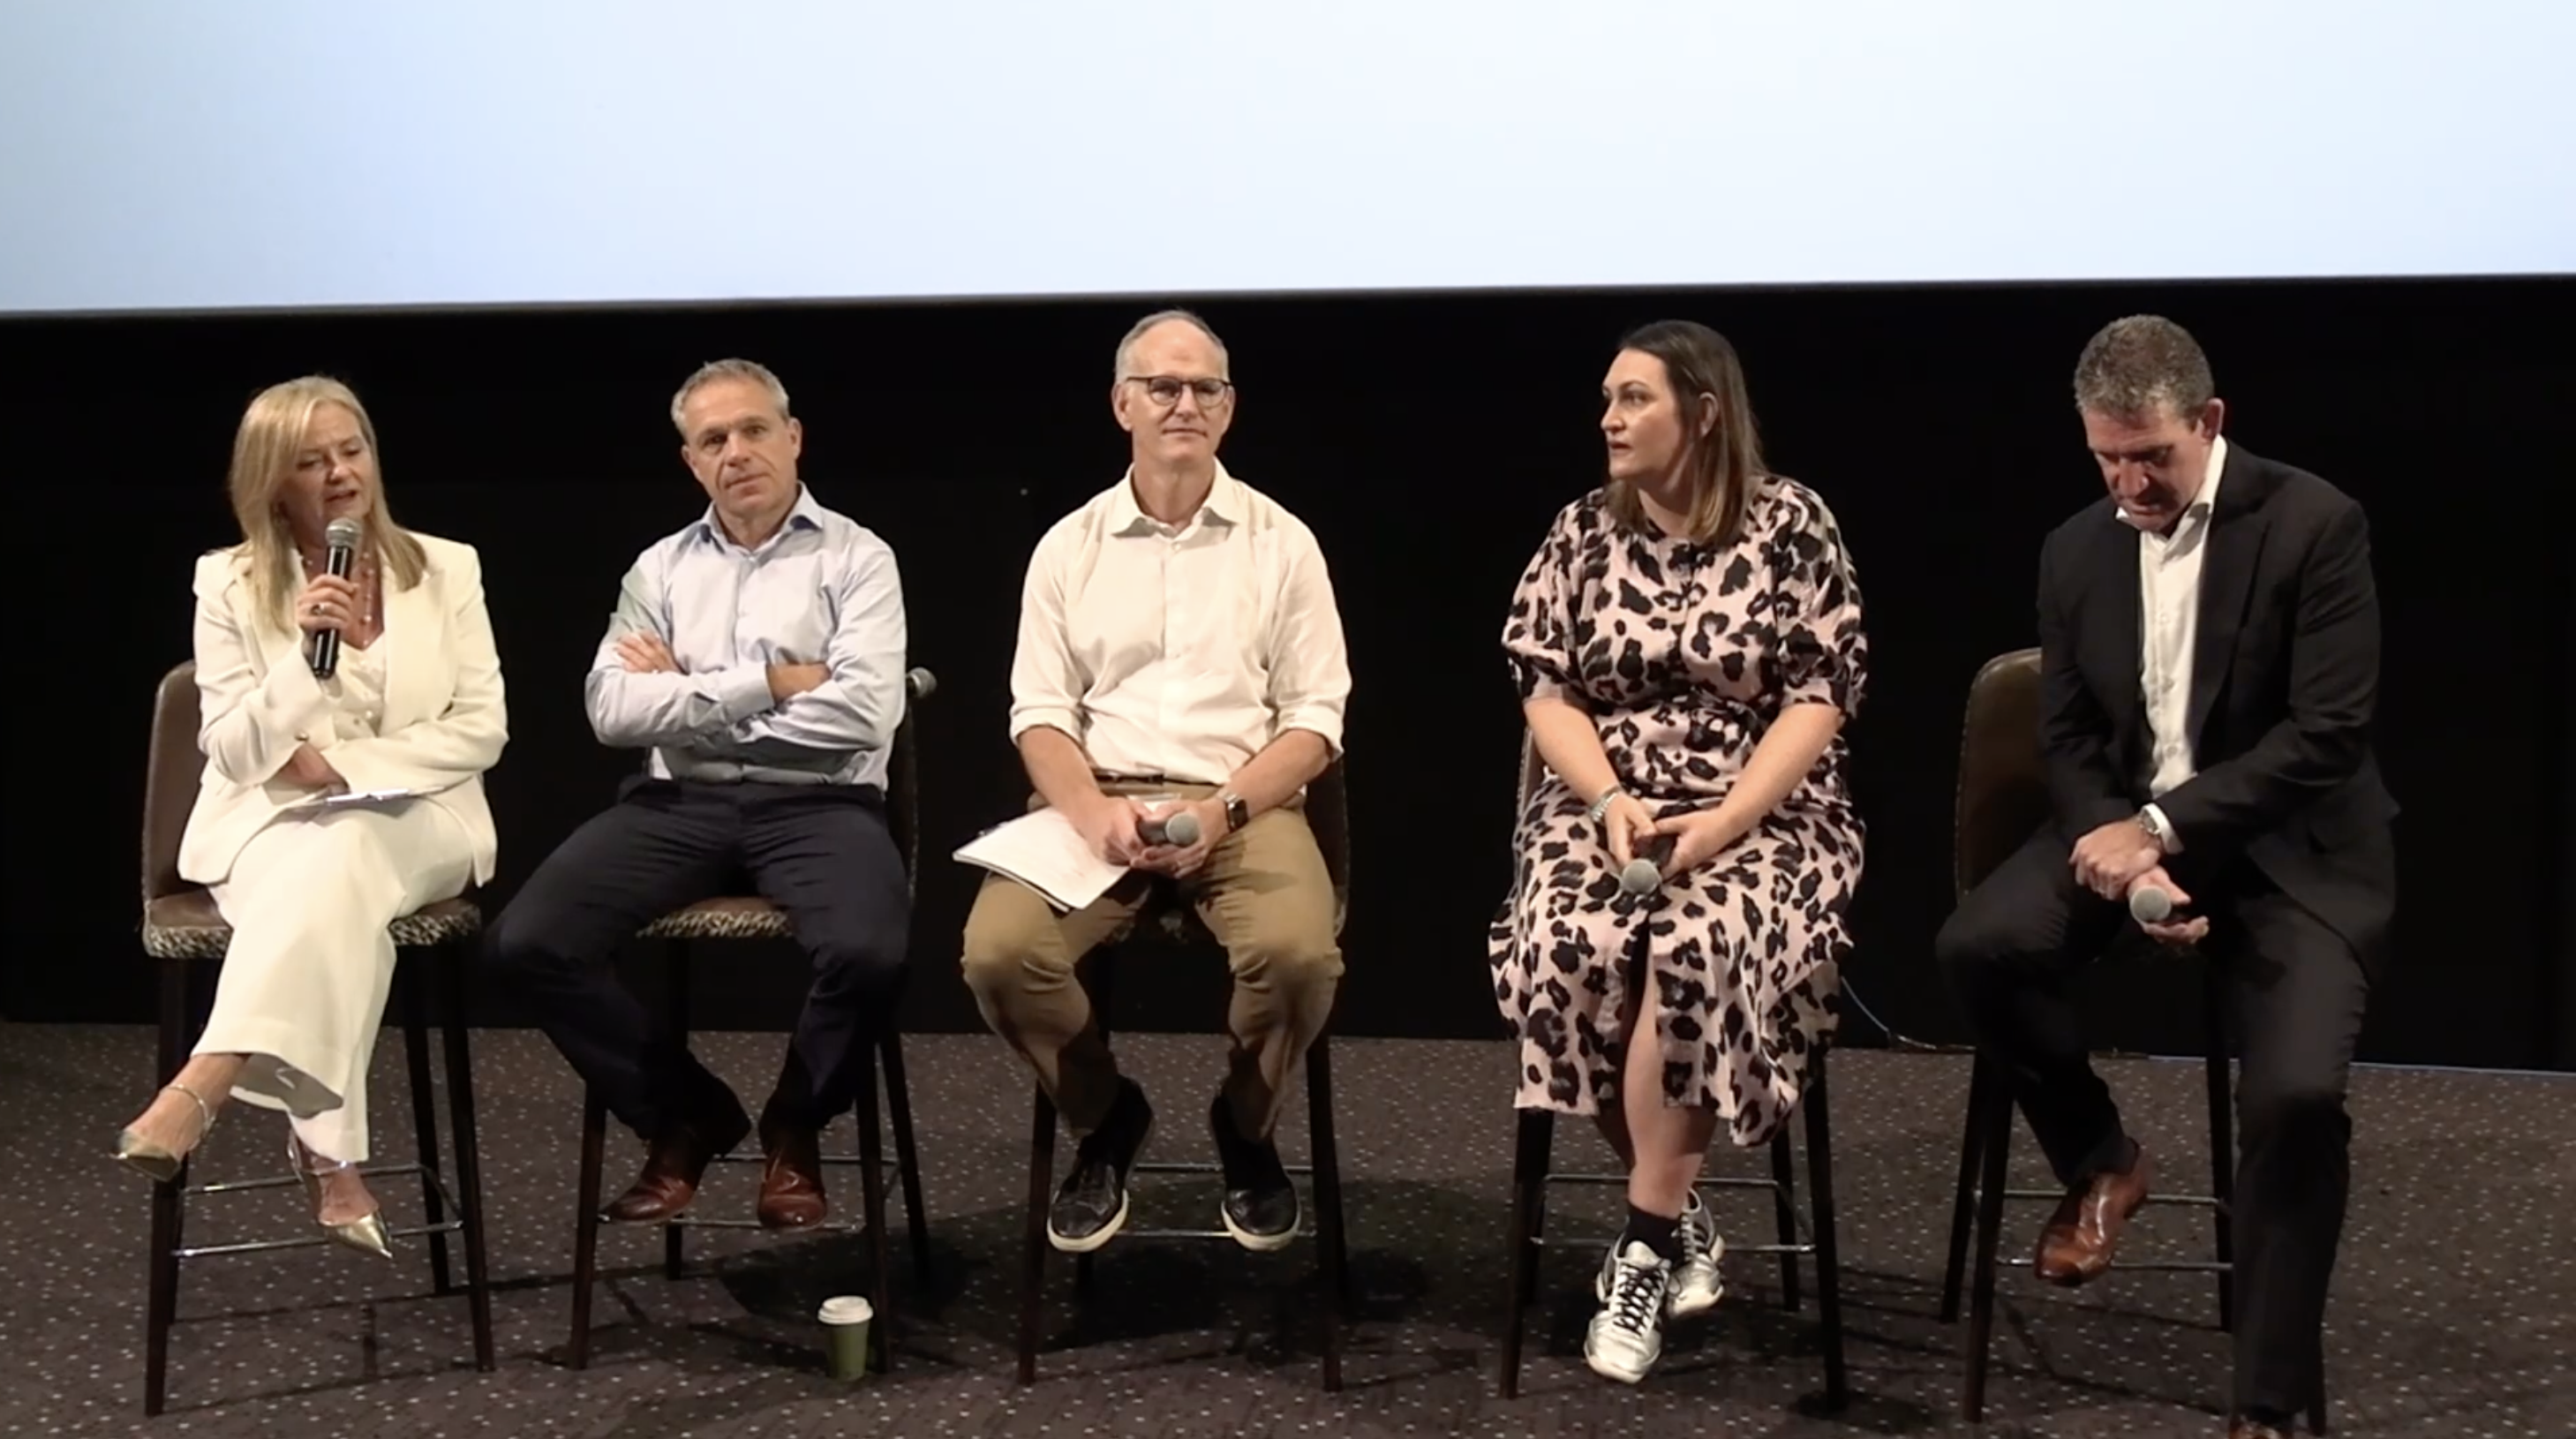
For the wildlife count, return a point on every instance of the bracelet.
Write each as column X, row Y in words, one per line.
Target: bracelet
column 1601, row 806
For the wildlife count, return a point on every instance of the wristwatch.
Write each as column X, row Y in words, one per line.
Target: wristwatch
column 2152, row 820
column 1237, row 813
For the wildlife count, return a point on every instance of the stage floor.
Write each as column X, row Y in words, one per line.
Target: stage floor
column 2454, row 1310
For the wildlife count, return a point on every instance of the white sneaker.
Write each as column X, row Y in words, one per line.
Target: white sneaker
column 1627, row 1336
column 1696, row 1286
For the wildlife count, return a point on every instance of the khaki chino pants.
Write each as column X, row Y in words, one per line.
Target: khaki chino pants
column 1263, row 893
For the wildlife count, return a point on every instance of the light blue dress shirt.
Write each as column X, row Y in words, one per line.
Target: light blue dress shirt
column 822, row 590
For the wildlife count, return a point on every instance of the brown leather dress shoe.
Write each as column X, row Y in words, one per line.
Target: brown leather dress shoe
column 2242, row 1428
column 676, row 1163
column 791, row 1183
column 2075, row 1245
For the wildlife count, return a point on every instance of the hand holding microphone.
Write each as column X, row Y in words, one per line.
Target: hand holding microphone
column 1645, row 873
column 329, row 602
column 2159, row 906
column 1179, row 829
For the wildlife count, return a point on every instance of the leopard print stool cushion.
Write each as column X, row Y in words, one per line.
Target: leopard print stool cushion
column 732, row 917
column 187, row 926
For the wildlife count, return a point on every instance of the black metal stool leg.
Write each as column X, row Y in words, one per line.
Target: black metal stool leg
column 1332, row 1259
column 1993, row 1150
column 872, row 1191
column 675, row 1018
column 161, row 1292
column 1820, row 1195
column 1533, row 1135
column 1034, row 1247
column 585, row 1233
column 469, row 1155
column 2222, row 1146
column 1784, row 1211
column 907, row 1159
column 424, row 1106
column 1963, row 1202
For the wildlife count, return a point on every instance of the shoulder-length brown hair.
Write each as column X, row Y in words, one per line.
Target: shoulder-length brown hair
column 1724, row 465
column 264, row 451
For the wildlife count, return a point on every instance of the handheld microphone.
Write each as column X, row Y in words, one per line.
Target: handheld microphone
column 339, row 556
column 919, row 683
column 1177, row 830
column 1645, row 873
column 2150, row 905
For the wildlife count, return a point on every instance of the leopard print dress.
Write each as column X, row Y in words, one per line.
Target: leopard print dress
column 1684, row 655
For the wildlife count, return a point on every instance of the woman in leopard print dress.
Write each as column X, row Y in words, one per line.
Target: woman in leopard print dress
column 1687, row 643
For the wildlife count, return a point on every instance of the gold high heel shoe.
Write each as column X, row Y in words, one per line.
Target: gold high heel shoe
column 158, row 1162
column 368, row 1233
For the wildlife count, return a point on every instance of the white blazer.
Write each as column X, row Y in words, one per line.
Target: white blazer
column 444, row 722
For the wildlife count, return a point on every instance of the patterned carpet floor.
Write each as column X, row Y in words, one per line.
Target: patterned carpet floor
column 2454, row 1310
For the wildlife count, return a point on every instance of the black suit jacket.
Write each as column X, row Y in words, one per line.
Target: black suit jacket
column 2284, row 684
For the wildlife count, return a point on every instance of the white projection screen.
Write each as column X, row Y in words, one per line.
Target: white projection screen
column 180, row 155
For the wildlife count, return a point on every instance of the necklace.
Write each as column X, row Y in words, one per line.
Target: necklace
column 363, row 578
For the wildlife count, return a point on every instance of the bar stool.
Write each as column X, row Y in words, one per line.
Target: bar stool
column 737, row 918
column 1327, row 814
column 1531, row 1177
column 2002, row 801
column 182, row 929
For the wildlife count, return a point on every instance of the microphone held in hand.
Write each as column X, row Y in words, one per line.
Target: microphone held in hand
column 339, row 556
column 920, row 683
column 1180, row 830
column 2150, row 905
column 1645, row 873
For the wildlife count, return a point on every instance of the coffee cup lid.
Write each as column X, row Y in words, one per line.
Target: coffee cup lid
column 846, row 1309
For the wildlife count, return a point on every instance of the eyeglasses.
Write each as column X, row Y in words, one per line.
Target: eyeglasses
column 1165, row 390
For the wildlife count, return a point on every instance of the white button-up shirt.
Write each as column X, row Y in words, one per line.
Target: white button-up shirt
column 1179, row 651
column 823, row 590
column 2169, row 625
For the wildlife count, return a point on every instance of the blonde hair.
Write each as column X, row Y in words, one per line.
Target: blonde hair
column 264, row 451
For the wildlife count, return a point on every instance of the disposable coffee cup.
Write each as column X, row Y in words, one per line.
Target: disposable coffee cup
column 845, row 1334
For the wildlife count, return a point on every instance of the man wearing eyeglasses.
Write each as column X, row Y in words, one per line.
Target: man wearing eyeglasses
column 1179, row 653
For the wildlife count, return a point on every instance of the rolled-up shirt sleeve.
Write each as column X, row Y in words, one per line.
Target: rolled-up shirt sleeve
column 1046, row 689
column 638, row 711
column 1310, row 667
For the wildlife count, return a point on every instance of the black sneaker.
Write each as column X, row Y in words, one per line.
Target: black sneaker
column 1091, row 1205
column 1260, row 1208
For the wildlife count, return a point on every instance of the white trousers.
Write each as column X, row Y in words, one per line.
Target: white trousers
column 302, row 990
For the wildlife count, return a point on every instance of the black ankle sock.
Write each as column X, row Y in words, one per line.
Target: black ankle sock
column 1656, row 1232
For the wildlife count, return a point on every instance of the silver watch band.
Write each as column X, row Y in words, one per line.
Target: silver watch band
column 1601, row 806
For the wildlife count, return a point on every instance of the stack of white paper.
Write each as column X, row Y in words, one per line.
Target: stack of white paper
column 326, row 799
column 1043, row 850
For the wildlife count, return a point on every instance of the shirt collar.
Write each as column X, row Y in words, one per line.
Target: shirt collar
column 806, row 513
column 1223, row 505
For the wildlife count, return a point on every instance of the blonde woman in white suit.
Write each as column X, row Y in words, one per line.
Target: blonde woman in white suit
column 413, row 706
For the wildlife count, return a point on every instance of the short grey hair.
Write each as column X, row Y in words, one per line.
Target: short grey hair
column 714, row 370
column 2136, row 363
column 1135, row 332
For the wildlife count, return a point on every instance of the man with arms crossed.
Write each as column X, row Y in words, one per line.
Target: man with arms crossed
column 1177, row 637
column 758, row 654
column 2210, row 665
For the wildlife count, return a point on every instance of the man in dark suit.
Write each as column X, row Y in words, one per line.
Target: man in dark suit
column 2210, row 665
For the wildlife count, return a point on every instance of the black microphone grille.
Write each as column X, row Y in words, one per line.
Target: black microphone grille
column 342, row 534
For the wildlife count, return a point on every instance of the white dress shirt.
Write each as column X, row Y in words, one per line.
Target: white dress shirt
column 1179, row 651
column 823, row 590
column 2168, row 626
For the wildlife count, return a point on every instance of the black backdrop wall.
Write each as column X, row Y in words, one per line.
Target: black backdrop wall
column 1427, row 440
